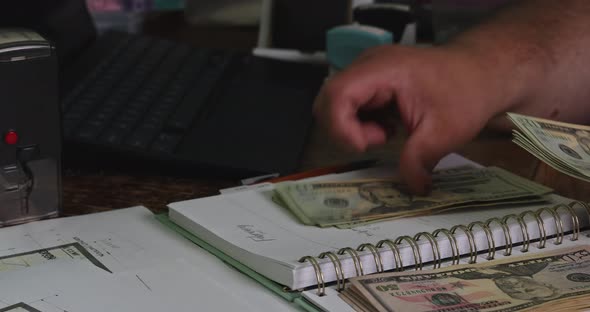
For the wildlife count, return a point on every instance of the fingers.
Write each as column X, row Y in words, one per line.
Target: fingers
column 374, row 133
column 421, row 152
column 338, row 105
column 339, row 121
column 340, row 117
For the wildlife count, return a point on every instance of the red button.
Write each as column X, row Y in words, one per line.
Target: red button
column 11, row 137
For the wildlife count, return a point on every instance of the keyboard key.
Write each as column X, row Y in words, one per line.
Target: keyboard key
column 195, row 100
column 139, row 140
column 89, row 131
column 112, row 137
column 117, row 132
column 166, row 143
column 121, row 127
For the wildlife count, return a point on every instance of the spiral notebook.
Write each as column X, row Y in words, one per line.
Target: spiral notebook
column 267, row 239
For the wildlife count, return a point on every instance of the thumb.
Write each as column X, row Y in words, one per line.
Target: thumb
column 421, row 152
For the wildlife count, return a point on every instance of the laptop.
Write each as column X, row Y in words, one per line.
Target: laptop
column 139, row 102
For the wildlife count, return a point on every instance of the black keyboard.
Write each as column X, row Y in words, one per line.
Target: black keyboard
column 146, row 95
column 135, row 96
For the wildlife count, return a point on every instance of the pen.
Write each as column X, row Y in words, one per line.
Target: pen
column 356, row 165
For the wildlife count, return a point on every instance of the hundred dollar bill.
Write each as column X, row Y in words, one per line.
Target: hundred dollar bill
column 563, row 146
column 334, row 203
column 560, row 280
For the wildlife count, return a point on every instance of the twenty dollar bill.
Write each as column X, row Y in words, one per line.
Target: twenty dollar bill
column 559, row 279
column 563, row 146
column 337, row 203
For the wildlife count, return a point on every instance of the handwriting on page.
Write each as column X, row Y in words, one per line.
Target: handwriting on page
column 368, row 231
column 254, row 234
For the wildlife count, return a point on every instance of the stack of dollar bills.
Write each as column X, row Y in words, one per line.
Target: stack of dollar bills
column 563, row 146
column 351, row 203
column 557, row 281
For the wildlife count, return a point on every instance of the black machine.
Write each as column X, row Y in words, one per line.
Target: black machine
column 136, row 100
column 30, row 150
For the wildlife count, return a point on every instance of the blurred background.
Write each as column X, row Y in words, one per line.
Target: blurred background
column 300, row 23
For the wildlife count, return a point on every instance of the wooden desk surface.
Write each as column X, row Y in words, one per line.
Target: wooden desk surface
column 87, row 191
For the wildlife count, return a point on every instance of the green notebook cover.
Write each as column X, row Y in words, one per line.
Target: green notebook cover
column 277, row 288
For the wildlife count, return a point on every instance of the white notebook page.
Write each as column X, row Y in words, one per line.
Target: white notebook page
column 251, row 228
column 141, row 253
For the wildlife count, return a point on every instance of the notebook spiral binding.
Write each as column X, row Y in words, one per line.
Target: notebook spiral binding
column 449, row 234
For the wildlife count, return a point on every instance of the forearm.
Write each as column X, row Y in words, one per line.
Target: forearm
column 537, row 54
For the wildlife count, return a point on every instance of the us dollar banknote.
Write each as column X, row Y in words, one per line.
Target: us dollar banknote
column 560, row 280
column 481, row 205
column 563, row 146
column 337, row 203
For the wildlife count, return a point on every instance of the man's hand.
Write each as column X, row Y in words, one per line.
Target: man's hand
column 444, row 98
column 531, row 58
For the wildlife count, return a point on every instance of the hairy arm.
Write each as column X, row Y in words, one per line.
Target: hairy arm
column 543, row 49
column 532, row 57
